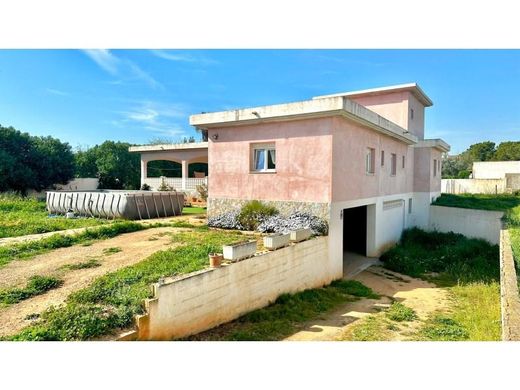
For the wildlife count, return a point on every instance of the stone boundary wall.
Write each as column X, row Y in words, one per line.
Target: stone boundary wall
column 472, row 223
column 217, row 206
column 205, row 299
column 509, row 298
column 473, row 186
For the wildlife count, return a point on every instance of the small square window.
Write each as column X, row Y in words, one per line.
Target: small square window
column 263, row 158
column 393, row 164
column 370, row 160
column 382, row 158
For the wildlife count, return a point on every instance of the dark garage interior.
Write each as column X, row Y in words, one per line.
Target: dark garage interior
column 355, row 230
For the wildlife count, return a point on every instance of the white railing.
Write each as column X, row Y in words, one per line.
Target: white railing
column 175, row 182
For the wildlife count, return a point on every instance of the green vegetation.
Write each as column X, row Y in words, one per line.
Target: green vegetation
column 30, row 249
column 460, row 259
column 371, row 328
column 193, row 210
column 460, row 166
column 111, row 302
column 35, row 286
column 21, row 216
column 90, row 263
column 479, row 201
column 253, row 213
column 399, row 312
column 30, row 162
column 468, row 268
column 288, row 312
column 111, row 250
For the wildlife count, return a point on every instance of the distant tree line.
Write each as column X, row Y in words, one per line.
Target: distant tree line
column 460, row 166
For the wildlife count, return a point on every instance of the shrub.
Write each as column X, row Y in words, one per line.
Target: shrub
column 399, row 312
column 145, row 187
column 202, row 190
column 253, row 213
column 164, row 186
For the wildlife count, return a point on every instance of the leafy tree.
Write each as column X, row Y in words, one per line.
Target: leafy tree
column 508, row 151
column 482, row 151
column 117, row 168
column 85, row 161
column 28, row 162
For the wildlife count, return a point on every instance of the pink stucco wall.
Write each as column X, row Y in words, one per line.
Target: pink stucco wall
column 424, row 179
column 350, row 180
column 303, row 161
column 395, row 106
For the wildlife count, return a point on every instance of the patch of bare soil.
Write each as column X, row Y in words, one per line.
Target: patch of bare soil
column 423, row 297
column 133, row 247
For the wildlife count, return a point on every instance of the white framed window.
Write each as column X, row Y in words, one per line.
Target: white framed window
column 393, row 164
column 263, row 157
column 434, row 167
column 382, row 158
column 370, row 161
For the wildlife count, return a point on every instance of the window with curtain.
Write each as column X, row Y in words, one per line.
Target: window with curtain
column 264, row 158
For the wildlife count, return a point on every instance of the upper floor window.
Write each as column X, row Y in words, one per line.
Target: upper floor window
column 403, row 162
column 393, row 164
column 434, row 167
column 411, row 113
column 264, row 158
column 382, row 158
column 370, row 161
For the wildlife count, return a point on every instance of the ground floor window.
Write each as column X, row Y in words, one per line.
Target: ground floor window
column 264, row 158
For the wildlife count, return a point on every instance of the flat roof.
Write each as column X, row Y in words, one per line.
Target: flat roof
column 162, row 147
column 303, row 110
column 411, row 87
column 436, row 143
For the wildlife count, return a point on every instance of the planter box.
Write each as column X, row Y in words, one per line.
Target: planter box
column 239, row 251
column 275, row 241
column 300, row 235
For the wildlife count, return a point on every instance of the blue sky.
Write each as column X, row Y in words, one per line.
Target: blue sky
column 87, row 97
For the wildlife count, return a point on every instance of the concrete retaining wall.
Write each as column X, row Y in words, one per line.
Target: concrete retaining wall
column 473, row 186
column 509, row 298
column 205, row 299
column 469, row 222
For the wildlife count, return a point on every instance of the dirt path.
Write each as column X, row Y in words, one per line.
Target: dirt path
column 425, row 298
column 134, row 247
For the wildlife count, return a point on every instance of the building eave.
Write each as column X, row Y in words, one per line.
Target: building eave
column 435, row 143
column 164, row 147
column 319, row 108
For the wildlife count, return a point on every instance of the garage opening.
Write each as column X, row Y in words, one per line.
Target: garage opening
column 355, row 230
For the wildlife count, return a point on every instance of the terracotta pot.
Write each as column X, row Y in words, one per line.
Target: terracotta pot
column 215, row 260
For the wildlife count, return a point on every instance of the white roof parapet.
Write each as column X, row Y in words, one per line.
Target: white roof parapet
column 411, row 87
column 300, row 110
column 436, row 143
column 161, row 147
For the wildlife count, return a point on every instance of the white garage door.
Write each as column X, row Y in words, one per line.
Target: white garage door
column 392, row 222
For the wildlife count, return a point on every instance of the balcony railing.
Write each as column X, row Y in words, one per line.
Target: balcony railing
column 175, row 182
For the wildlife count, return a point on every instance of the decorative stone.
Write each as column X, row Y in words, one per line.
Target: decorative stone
column 300, row 235
column 239, row 251
column 275, row 241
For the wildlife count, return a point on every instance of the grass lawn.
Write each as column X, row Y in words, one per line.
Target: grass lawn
column 468, row 268
column 287, row 313
column 193, row 210
column 501, row 202
column 112, row 300
column 21, row 216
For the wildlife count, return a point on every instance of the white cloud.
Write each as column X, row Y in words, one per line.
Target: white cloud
column 121, row 67
column 177, row 56
column 53, row 91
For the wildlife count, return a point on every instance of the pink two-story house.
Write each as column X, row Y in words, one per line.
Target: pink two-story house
column 357, row 159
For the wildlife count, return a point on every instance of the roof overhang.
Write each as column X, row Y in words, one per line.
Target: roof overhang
column 164, row 147
column 436, row 143
column 317, row 108
column 413, row 88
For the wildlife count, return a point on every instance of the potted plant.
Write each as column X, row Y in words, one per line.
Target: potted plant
column 215, row 260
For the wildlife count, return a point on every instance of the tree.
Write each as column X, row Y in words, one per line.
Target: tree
column 28, row 162
column 112, row 163
column 482, row 151
column 508, row 151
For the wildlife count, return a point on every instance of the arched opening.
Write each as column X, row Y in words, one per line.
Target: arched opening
column 158, row 168
column 198, row 169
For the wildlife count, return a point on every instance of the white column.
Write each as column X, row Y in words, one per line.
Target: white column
column 144, row 173
column 184, row 174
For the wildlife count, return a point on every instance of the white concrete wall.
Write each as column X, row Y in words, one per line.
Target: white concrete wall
column 473, row 186
column 203, row 300
column 384, row 227
column 80, row 184
column 469, row 222
column 494, row 169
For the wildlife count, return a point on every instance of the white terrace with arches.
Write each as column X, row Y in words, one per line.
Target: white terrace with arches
column 181, row 166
